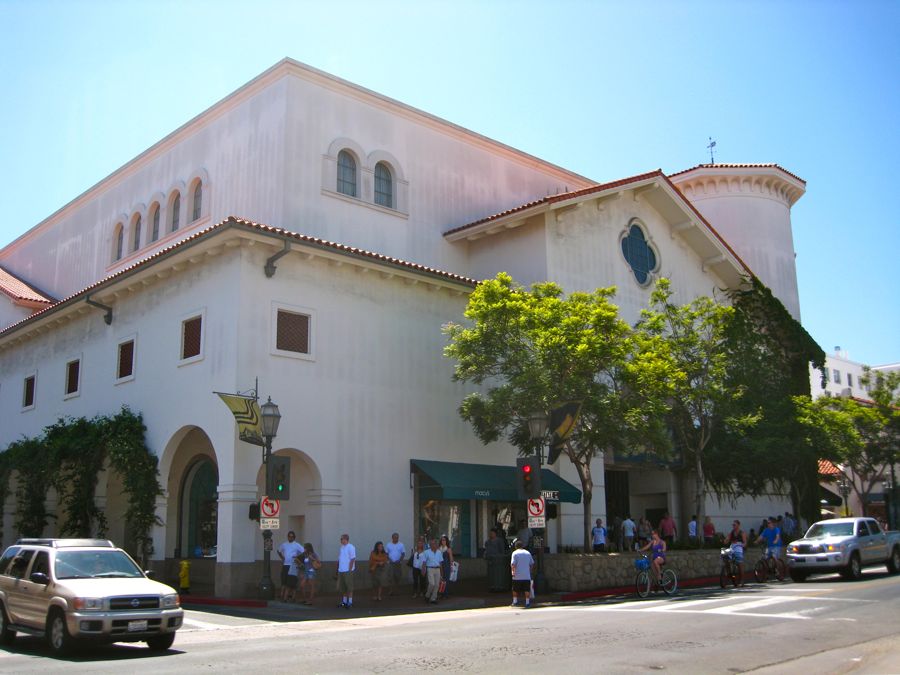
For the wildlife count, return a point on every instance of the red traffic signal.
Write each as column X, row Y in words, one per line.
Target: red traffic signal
column 528, row 477
column 526, row 468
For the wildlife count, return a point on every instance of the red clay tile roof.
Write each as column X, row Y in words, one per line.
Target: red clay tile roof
column 610, row 186
column 559, row 198
column 17, row 289
column 739, row 166
column 826, row 468
column 246, row 224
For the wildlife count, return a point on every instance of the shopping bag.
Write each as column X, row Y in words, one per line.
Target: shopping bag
column 454, row 571
column 442, row 587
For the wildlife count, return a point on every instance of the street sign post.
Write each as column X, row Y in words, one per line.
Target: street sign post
column 270, row 523
column 269, row 507
column 536, row 509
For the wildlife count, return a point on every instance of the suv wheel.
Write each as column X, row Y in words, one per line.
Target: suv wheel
column 853, row 571
column 7, row 635
column 160, row 643
column 893, row 563
column 58, row 633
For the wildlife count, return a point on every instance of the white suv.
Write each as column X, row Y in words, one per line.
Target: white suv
column 72, row 590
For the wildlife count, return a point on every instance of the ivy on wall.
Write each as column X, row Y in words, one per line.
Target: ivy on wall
column 69, row 456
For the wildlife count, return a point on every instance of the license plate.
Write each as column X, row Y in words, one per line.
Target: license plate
column 137, row 626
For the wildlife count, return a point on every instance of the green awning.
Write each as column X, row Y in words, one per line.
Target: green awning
column 453, row 480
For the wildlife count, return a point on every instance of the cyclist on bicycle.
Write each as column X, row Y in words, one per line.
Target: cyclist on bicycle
column 737, row 540
column 658, row 557
column 772, row 536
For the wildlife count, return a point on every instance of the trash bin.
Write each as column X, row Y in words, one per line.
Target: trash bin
column 499, row 574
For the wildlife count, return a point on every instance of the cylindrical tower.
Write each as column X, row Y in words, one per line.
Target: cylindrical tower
column 750, row 206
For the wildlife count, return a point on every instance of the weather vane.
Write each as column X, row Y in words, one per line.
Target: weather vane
column 712, row 144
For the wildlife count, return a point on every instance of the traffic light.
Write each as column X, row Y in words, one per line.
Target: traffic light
column 528, row 477
column 281, row 478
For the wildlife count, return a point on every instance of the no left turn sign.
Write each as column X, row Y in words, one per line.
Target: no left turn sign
column 269, row 507
column 536, row 507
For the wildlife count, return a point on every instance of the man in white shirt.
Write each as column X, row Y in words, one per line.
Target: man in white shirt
column 287, row 551
column 396, row 551
column 521, row 563
column 598, row 537
column 628, row 528
column 346, row 568
column 692, row 532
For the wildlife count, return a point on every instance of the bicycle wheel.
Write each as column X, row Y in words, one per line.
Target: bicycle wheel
column 669, row 582
column 780, row 569
column 642, row 583
column 761, row 571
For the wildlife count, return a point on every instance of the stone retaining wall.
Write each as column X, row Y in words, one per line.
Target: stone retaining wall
column 573, row 572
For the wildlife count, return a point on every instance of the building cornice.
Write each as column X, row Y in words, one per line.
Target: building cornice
column 757, row 180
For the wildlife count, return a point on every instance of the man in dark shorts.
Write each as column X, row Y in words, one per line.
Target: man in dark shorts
column 521, row 563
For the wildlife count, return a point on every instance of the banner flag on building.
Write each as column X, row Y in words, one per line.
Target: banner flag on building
column 247, row 415
column 562, row 423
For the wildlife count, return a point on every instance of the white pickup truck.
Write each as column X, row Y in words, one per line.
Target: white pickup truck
column 844, row 545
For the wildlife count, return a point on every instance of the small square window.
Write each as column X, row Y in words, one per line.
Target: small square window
column 125, row 364
column 292, row 332
column 191, row 337
column 73, row 377
column 28, row 390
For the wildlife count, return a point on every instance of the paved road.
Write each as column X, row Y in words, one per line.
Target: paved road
column 823, row 626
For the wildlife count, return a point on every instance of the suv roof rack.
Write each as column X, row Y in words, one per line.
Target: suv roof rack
column 67, row 543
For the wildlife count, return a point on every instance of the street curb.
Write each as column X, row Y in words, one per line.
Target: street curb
column 221, row 602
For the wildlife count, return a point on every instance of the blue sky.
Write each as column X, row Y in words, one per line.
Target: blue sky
column 605, row 89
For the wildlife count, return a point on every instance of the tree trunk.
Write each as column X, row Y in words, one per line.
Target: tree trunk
column 583, row 467
column 700, row 494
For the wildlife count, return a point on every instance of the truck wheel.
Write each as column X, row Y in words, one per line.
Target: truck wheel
column 798, row 576
column 853, row 570
column 58, row 637
column 893, row 563
column 160, row 643
column 7, row 635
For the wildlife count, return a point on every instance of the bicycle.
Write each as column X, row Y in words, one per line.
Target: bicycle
column 769, row 565
column 729, row 568
column 645, row 580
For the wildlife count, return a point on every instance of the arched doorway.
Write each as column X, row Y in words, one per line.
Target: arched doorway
column 199, row 510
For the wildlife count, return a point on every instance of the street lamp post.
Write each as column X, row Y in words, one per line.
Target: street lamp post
column 844, row 488
column 888, row 488
column 271, row 417
column 537, row 427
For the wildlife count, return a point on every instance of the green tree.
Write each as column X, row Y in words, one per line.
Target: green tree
column 531, row 350
column 696, row 337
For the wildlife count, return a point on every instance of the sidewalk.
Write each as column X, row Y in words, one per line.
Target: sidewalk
column 466, row 594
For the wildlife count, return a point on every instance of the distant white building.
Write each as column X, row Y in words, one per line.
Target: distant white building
column 367, row 224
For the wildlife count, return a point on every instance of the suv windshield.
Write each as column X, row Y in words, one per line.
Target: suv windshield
column 95, row 565
column 830, row 530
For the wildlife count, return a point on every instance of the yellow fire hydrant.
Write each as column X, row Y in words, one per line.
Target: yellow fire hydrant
column 184, row 576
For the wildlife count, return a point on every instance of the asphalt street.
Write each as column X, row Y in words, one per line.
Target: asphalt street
column 825, row 626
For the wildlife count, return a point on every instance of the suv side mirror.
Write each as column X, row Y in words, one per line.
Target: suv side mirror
column 40, row 578
column 150, row 574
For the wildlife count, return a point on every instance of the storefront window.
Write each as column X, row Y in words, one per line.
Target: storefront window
column 437, row 517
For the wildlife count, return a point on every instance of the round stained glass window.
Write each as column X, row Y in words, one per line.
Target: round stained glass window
column 638, row 254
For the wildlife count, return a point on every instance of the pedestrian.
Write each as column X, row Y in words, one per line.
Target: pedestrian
column 615, row 536
column 521, row 565
column 709, row 531
column 598, row 537
column 667, row 529
column 789, row 525
column 378, row 568
column 287, row 551
column 447, row 562
column 416, row 561
column 692, row 532
column 345, row 571
column 524, row 534
column 311, row 565
column 431, row 568
column 643, row 531
column 494, row 551
column 628, row 529
column 396, row 553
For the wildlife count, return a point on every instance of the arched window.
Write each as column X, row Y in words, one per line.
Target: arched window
column 154, row 220
column 384, row 186
column 198, row 201
column 346, row 175
column 118, row 242
column 136, row 234
column 175, row 220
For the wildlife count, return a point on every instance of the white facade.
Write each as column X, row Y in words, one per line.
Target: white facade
column 370, row 391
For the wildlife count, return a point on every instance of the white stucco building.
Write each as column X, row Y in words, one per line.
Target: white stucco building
column 316, row 235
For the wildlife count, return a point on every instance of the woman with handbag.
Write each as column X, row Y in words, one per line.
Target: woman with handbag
column 311, row 564
column 416, row 560
column 445, row 548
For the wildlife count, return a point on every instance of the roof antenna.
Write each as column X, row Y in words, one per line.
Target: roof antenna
column 712, row 144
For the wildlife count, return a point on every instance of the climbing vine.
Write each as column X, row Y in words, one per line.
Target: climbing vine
column 69, row 456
